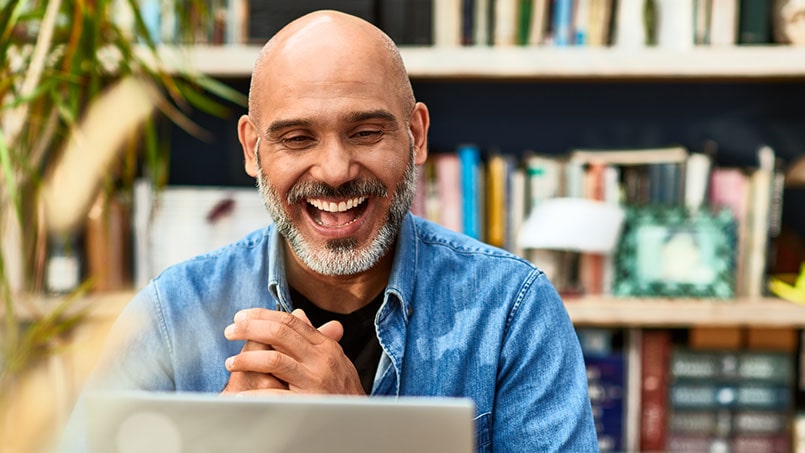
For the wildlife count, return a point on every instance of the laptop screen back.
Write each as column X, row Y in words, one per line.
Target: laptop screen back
column 138, row 422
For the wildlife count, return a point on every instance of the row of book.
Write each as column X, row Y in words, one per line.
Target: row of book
column 504, row 200
column 623, row 23
column 658, row 390
column 678, row 24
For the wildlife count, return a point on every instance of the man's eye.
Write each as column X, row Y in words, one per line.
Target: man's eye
column 367, row 136
column 297, row 142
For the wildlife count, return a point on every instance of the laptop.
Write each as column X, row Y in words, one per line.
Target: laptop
column 147, row 422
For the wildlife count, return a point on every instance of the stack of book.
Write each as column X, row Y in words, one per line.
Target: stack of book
column 730, row 400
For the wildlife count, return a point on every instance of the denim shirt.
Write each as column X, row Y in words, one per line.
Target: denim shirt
column 459, row 318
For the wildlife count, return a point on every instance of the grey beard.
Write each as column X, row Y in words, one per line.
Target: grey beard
column 341, row 256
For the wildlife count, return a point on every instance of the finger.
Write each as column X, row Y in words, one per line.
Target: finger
column 240, row 381
column 257, row 313
column 286, row 333
column 271, row 362
column 264, row 392
column 255, row 346
column 333, row 330
column 299, row 313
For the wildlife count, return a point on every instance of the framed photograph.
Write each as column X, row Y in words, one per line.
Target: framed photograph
column 668, row 252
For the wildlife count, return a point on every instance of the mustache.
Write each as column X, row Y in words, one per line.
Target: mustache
column 367, row 187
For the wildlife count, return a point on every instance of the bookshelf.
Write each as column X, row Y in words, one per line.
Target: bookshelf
column 541, row 63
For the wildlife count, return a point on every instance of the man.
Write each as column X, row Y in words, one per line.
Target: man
column 333, row 136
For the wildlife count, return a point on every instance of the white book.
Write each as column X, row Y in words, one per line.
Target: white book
column 237, row 22
column 481, row 23
column 759, row 203
column 517, row 209
column 701, row 21
column 675, row 28
column 505, row 22
column 724, row 22
column 581, row 23
column 630, row 30
column 447, row 23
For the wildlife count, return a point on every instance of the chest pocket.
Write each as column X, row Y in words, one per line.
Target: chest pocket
column 483, row 433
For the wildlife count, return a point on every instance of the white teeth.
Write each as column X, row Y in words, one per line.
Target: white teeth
column 336, row 207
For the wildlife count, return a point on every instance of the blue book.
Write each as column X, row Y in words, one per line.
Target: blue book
column 562, row 22
column 606, row 379
column 469, row 157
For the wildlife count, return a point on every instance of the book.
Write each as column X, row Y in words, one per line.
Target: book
column 630, row 29
column 637, row 156
column 505, row 19
column 606, row 378
column 470, row 165
column 539, row 22
column 724, row 22
column 497, row 178
column 600, row 18
column 517, row 208
column 655, row 359
column 754, row 22
column 591, row 265
column 702, row 10
column 483, row 23
column 447, row 21
column 581, row 23
column 467, row 22
column 523, row 21
column 449, row 188
column 729, row 188
column 562, row 23
column 758, row 224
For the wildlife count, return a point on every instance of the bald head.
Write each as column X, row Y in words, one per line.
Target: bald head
column 322, row 42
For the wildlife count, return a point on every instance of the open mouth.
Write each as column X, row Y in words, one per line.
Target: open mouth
column 336, row 214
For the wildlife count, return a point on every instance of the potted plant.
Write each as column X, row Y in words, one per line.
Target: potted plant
column 78, row 96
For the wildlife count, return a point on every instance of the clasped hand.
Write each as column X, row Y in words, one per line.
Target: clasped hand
column 285, row 353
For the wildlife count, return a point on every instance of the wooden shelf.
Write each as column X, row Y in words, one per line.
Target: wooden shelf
column 584, row 311
column 535, row 63
column 613, row 312
column 98, row 305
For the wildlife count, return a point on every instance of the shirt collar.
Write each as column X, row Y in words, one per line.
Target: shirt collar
column 401, row 280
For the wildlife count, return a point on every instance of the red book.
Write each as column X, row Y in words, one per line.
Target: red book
column 655, row 352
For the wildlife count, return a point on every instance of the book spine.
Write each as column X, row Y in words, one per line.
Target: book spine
column 505, row 17
column 421, row 18
column 562, row 22
column 724, row 23
column 655, row 358
column 496, row 198
column 469, row 157
column 754, row 22
column 630, row 31
column 539, row 14
column 448, row 180
column 447, row 23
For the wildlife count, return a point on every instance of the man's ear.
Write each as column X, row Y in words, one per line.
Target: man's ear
column 420, row 122
column 249, row 138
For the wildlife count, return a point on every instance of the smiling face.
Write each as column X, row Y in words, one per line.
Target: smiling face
column 333, row 143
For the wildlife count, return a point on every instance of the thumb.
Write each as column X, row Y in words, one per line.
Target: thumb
column 332, row 330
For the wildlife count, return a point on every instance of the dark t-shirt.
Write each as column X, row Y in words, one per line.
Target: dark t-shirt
column 359, row 342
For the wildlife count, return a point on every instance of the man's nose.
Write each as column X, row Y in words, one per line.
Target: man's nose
column 335, row 164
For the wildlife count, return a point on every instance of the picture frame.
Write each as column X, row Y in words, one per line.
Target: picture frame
column 669, row 252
